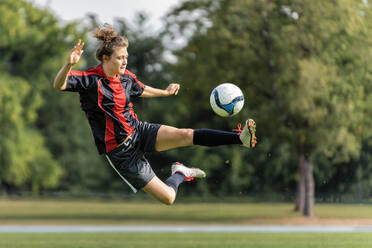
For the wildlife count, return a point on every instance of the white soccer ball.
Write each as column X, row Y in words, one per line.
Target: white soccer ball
column 227, row 99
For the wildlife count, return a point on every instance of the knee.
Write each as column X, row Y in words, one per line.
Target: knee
column 168, row 201
column 170, row 197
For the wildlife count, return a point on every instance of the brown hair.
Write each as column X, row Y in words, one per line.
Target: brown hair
column 110, row 39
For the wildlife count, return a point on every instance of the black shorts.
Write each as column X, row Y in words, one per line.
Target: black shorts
column 128, row 159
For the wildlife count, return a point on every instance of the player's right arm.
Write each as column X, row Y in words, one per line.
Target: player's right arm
column 60, row 82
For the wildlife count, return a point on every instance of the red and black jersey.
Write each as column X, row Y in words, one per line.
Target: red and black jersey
column 107, row 104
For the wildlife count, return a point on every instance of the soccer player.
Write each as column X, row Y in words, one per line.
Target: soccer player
column 105, row 95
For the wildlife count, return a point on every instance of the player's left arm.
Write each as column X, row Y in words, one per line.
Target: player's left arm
column 172, row 89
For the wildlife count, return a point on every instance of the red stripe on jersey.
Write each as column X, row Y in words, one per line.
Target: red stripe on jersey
column 110, row 140
column 120, row 99
column 81, row 73
column 100, row 94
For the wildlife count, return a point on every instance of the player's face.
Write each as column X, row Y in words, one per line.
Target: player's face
column 117, row 62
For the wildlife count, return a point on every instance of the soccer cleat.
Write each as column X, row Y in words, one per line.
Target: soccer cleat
column 248, row 134
column 189, row 173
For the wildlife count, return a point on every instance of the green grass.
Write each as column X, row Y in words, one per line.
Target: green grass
column 183, row 240
column 103, row 212
column 343, row 211
column 121, row 212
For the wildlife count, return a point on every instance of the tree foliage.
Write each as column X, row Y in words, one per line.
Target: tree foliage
column 31, row 42
column 303, row 66
column 25, row 160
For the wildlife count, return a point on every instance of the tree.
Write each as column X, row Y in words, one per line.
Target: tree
column 332, row 85
column 25, row 162
column 302, row 65
column 31, row 44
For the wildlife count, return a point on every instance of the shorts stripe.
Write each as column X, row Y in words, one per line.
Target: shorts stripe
column 125, row 180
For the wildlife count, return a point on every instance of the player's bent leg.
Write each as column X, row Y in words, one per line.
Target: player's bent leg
column 170, row 137
column 160, row 191
column 166, row 192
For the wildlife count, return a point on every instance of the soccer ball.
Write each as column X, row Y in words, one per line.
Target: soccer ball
column 227, row 99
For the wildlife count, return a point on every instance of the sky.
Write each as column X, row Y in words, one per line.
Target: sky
column 107, row 10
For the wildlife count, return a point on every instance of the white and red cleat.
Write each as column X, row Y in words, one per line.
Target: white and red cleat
column 248, row 134
column 189, row 173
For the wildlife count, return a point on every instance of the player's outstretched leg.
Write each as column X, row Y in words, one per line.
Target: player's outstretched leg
column 211, row 137
column 166, row 191
column 170, row 137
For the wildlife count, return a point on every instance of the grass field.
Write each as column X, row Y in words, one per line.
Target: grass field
column 183, row 240
column 115, row 212
column 104, row 212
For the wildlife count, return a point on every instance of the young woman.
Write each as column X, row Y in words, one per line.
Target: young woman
column 105, row 95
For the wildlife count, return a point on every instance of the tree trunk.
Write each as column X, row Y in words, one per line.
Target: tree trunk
column 305, row 187
column 309, row 188
column 300, row 194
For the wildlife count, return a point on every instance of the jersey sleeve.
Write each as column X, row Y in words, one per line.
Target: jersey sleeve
column 78, row 81
column 137, row 87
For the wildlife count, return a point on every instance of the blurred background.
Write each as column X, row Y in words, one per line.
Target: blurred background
column 305, row 67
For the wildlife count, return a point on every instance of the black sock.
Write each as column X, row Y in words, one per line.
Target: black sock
column 211, row 137
column 175, row 180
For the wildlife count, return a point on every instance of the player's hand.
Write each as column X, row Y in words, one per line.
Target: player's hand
column 76, row 53
column 173, row 89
